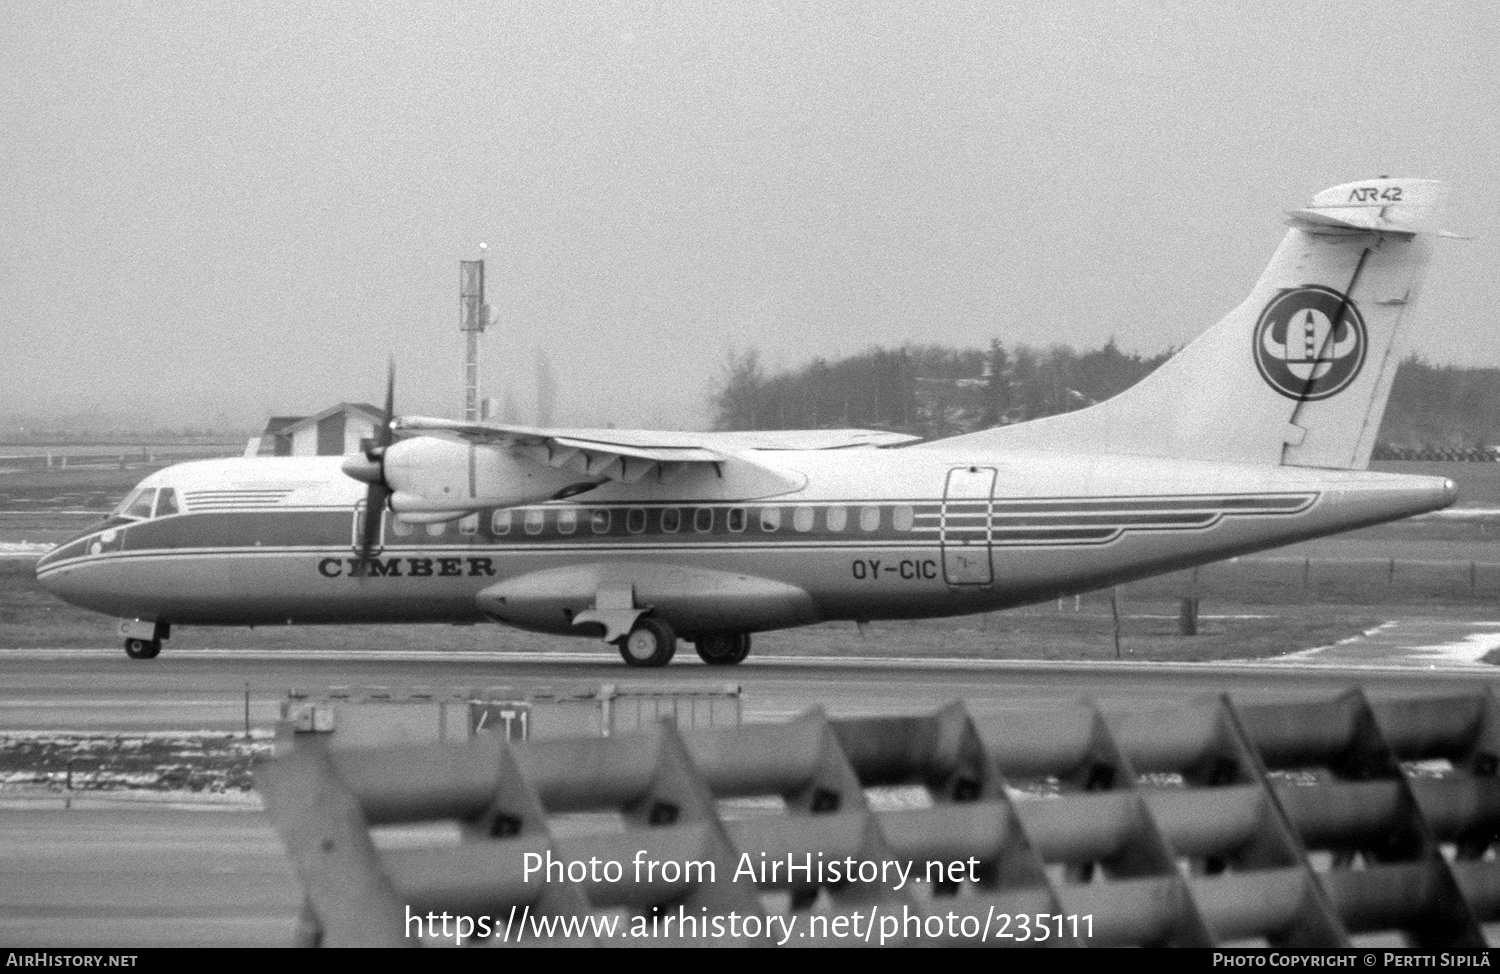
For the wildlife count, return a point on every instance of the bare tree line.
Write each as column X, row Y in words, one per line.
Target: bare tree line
column 935, row 390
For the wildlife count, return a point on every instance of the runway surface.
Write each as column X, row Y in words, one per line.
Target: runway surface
column 108, row 873
column 83, row 689
column 102, row 875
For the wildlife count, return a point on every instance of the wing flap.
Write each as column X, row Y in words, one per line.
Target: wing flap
column 656, row 454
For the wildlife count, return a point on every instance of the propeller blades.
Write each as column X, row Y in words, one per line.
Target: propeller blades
column 372, row 472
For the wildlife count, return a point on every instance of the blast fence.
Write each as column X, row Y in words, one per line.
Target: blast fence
column 1329, row 822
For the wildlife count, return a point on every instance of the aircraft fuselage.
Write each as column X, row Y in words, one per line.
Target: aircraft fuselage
column 872, row 534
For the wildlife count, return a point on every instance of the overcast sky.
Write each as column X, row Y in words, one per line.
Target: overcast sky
column 237, row 209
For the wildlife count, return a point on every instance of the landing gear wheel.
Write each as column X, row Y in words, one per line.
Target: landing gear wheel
column 650, row 643
column 142, row 648
column 723, row 648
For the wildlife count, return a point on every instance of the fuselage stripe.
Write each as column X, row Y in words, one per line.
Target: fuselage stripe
column 629, row 527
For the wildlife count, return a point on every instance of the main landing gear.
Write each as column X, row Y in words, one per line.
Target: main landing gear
column 723, row 648
column 651, row 642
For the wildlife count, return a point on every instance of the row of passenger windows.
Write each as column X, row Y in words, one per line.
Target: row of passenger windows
column 671, row 520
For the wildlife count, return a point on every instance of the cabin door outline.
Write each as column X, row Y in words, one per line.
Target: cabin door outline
column 965, row 532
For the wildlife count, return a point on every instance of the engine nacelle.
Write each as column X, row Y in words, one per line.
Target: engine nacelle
column 434, row 476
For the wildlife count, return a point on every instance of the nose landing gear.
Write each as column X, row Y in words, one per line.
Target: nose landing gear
column 142, row 648
column 143, row 638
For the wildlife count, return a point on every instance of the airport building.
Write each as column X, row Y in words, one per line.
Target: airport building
column 335, row 431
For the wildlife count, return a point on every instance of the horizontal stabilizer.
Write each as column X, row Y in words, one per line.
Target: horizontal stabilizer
column 1407, row 206
column 1346, row 218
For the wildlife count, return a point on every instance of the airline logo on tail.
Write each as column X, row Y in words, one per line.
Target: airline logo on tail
column 1310, row 343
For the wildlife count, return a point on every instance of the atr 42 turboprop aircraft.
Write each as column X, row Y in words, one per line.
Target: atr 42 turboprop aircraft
column 1255, row 435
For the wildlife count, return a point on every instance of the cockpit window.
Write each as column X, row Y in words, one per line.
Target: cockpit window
column 125, row 504
column 139, row 504
column 166, row 502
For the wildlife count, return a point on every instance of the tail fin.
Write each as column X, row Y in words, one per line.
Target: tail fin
column 1299, row 373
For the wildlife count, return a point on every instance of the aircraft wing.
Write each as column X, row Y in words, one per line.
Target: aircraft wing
column 623, row 455
column 508, row 433
column 597, row 448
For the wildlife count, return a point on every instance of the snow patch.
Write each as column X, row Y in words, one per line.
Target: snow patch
column 24, row 549
column 1471, row 649
column 1310, row 653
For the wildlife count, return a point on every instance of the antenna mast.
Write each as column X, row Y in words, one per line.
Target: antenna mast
column 474, row 314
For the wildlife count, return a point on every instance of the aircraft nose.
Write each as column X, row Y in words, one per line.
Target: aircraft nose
column 56, row 583
column 49, row 580
column 46, row 559
column 55, row 577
